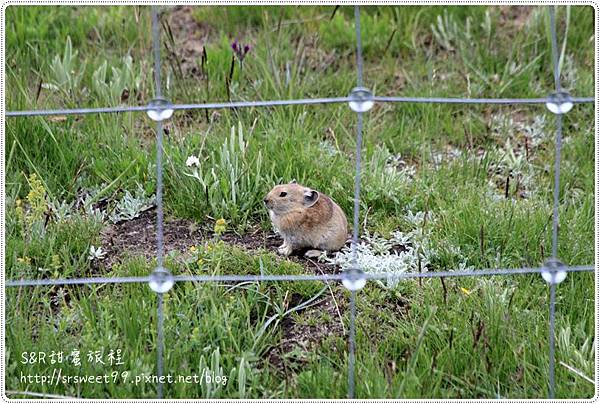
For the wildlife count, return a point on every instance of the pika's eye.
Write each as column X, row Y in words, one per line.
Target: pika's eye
column 283, row 194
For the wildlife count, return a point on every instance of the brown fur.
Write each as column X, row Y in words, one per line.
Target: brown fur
column 306, row 218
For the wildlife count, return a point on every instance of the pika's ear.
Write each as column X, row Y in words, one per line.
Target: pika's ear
column 310, row 197
column 293, row 181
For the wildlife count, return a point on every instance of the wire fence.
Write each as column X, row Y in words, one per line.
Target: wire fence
column 360, row 100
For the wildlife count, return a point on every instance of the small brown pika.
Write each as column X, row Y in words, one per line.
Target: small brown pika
column 306, row 218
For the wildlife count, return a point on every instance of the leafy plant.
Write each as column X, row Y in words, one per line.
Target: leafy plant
column 122, row 79
column 385, row 178
column 447, row 32
column 66, row 75
column 579, row 358
column 212, row 371
column 131, row 206
column 233, row 177
column 61, row 210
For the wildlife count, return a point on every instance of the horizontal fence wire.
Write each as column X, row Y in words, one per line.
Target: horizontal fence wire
column 303, row 101
column 296, row 278
column 441, row 100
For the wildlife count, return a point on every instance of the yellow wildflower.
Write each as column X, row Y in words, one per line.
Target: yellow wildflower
column 55, row 262
column 36, row 197
column 195, row 333
column 220, row 226
column 20, row 213
column 465, row 291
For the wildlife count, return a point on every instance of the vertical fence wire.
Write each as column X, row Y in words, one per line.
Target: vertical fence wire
column 355, row 227
column 156, row 51
column 159, row 206
column 359, row 127
column 351, row 344
column 554, row 44
column 159, row 140
column 159, row 345
column 555, row 67
column 359, row 58
column 559, row 118
column 551, row 360
column 558, row 147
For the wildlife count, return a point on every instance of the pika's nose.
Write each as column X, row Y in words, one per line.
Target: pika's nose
column 266, row 201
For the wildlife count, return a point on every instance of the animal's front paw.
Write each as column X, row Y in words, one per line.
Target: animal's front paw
column 285, row 249
column 314, row 253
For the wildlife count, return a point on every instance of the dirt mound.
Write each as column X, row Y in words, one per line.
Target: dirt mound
column 137, row 237
column 300, row 333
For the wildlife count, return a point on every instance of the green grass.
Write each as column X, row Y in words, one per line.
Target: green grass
column 466, row 338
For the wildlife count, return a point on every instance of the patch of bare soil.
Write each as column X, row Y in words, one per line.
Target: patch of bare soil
column 188, row 38
column 317, row 58
column 515, row 16
column 302, row 335
column 137, row 237
column 270, row 241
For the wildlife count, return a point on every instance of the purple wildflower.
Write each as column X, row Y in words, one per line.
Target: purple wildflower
column 240, row 51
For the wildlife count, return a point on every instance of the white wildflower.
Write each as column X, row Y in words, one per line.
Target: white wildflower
column 192, row 161
column 96, row 253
